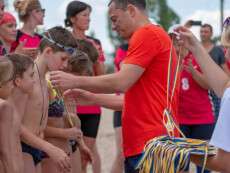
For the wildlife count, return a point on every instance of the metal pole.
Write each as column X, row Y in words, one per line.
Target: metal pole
column 221, row 14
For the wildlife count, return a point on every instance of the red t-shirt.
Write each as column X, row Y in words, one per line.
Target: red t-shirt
column 194, row 103
column 31, row 41
column 145, row 101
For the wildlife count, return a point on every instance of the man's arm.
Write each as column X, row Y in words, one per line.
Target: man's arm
column 219, row 162
column 117, row 82
column 114, row 102
column 83, row 97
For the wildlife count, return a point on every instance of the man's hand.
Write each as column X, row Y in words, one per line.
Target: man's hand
column 60, row 158
column 80, row 96
column 62, row 80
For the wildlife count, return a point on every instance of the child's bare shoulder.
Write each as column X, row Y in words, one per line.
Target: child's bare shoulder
column 6, row 109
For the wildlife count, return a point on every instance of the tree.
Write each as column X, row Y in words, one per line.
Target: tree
column 162, row 13
column 159, row 11
column 221, row 14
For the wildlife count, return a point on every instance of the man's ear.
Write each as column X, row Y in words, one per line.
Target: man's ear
column 131, row 10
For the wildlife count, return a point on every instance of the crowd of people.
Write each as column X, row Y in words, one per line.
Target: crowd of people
column 52, row 88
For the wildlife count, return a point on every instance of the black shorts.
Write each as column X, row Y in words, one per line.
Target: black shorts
column 90, row 124
column 36, row 154
column 201, row 131
column 117, row 119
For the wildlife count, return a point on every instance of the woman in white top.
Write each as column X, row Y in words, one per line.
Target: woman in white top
column 220, row 83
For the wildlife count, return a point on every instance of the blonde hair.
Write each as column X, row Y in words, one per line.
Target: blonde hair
column 6, row 70
column 225, row 37
column 24, row 7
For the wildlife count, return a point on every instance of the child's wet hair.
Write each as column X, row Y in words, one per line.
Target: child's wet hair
column 20, row 62
column 6, row 70
column 89, row 49
column 80, row 64
column 58, row 35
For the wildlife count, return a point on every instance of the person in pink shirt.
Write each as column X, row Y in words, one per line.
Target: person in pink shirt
column 78, row 18
column 195, row 113
column 32, row 14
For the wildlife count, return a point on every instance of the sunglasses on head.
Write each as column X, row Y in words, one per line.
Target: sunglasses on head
column 226, row 22
column 69, row 50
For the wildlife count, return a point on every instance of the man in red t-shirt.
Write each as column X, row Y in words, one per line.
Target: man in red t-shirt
column 143, row 78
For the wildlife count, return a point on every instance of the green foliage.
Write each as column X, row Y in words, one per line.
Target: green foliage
column 162, row 13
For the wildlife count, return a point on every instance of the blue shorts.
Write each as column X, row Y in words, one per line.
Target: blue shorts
column 199, row 131
column 131, row 163
column 36, row 154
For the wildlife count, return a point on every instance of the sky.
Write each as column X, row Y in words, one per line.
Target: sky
column 205, row 10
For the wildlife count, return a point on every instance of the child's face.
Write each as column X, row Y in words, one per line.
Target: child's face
column 58, row 61
column 26, row 82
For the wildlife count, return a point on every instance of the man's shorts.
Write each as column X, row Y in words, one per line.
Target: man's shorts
column 131, row 163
